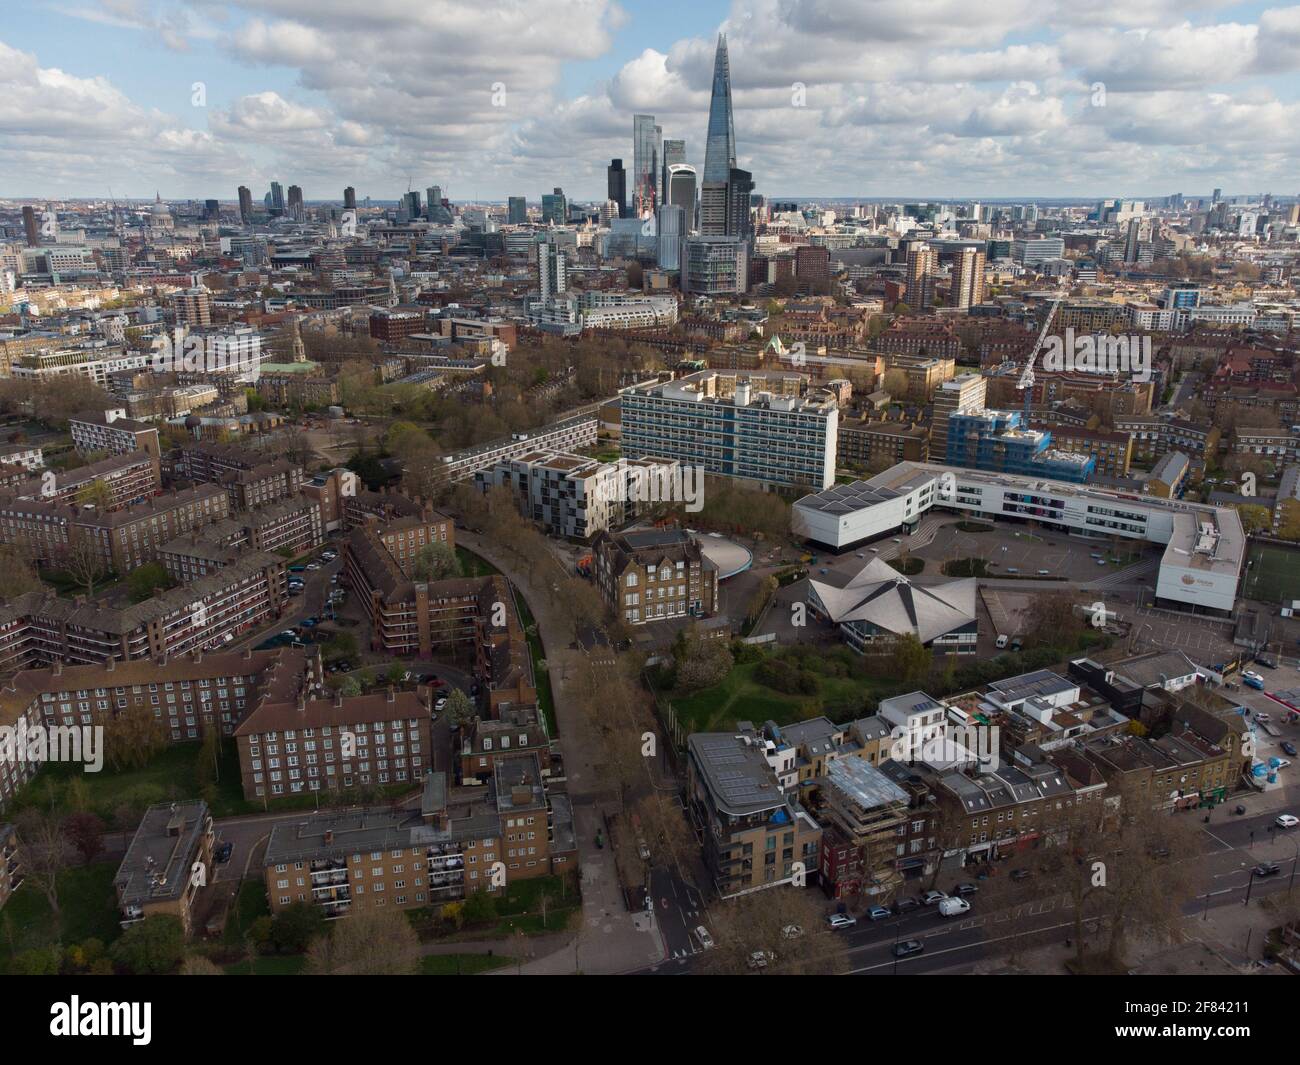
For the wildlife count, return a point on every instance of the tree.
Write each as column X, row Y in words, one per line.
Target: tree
column 152, row 947
column 198, row 965
column 910, row 660
column 17, row 574
column 766, row 589
column 147, row 580
column 895, row 383
column 1052, row 621
column 132, row 738
column 459, row 709
column 294, row 927
column 1254, row 518
column 435, row 562
column 84, row 563
column 371, row 941
column 764, row 923
column 85, row 832
column 699, row 662
column 46, row 853
column 96, row 493
column 479, row 907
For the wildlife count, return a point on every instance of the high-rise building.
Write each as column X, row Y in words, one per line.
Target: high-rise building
column 671, row 232
column 350, row 199
column 516, row 210
column 552, row 270
column 968, row 278
column 681, row 191
column 555, row 208
column 964, row 394
column 715, row 266
column 245, row 204
column 645, row 164
column 674, row 153
column 740, row 183
column 30, row 227
column 616, row 183
column 295, row 202
column 413, row 203
column 277, row 198
column 1218, row 195
column 719, row 210
column 920, row 276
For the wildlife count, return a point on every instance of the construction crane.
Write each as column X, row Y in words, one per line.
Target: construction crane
column 1026, row 382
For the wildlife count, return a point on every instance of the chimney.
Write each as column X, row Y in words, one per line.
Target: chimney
column 338, row 699
column 57, row 668
column 392, row 695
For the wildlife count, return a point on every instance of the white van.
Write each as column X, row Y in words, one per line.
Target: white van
column 953, row 907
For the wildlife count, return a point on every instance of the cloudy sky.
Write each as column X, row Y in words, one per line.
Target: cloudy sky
column 916, row 98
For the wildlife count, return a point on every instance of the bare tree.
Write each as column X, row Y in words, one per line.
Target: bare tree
column 773, row 931
column 46, row 853
column 83, row 563
column 371, row 941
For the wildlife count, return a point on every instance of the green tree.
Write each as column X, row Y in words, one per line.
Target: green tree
column 1254, row 518
column 294, row 927
column 479, row 908
column 154, row 947
column 435, row 562
column 459, row 709
column 911, row 659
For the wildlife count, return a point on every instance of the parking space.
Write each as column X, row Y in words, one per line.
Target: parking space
column 1206, row 641
column 1019, row 552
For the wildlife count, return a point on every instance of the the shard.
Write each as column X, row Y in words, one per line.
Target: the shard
column 720, row 148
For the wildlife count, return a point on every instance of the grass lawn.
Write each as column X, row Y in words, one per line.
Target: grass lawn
column 741, row 698
column 87, row 910
column 472, row 565
column 268, row 965
column 1274, row 574
column 249, row 906
column 461, row 964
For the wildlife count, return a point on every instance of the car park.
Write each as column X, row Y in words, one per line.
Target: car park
column 908, row 947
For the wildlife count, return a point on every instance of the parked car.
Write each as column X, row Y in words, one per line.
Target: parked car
column 1239, row 810
column 706, row 940
column 1253, row 679
column 878, row 913
column 1021, row 874
column 930, row 898
column 906, row 904
column 1289, row 747
column 908, row 947
column 1266, row 869
column 965, row 889
column 838, row 921
column 953, row 907
column 440, row 703
column 1287, row 821
column 224, row 852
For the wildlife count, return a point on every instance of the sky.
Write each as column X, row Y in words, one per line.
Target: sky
column 833, row 98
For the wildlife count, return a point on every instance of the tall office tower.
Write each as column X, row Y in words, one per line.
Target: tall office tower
column 211, row 210
column 682, row 181
column 295, row 202
column 552, row 270
column 616, row 185
column 277, row 198
column 245, row 204
column 920, row 276
column 1131, row 239
column 964, row 394
column 349, row 199
column 968, row 278
column 516, row 210
column 740, row 183
column 1218, row 195
column 30, row 227
column 436, row 193
column 674, row 153
column 672, row 232
column 719, row 149
column 555, row 208
column 645, row 164
column 431, row 203
column 412, row 199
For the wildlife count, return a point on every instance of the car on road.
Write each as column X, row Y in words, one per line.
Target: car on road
column 288, row 634
column 906, row 904
column 930, row 898
column 1289, row 747
column 791, row 931
column 308, row 623
column 1266, row 869
column 908, row 947
column 706, row 940
column 838, row 921
column 1021, row 874
column 878, row 913
column 1287, row 821
column 965, row 889
column 223, row 853
column 953, row 907
column 313, row 565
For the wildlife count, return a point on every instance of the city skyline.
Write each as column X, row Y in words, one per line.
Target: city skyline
column 829, row 100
